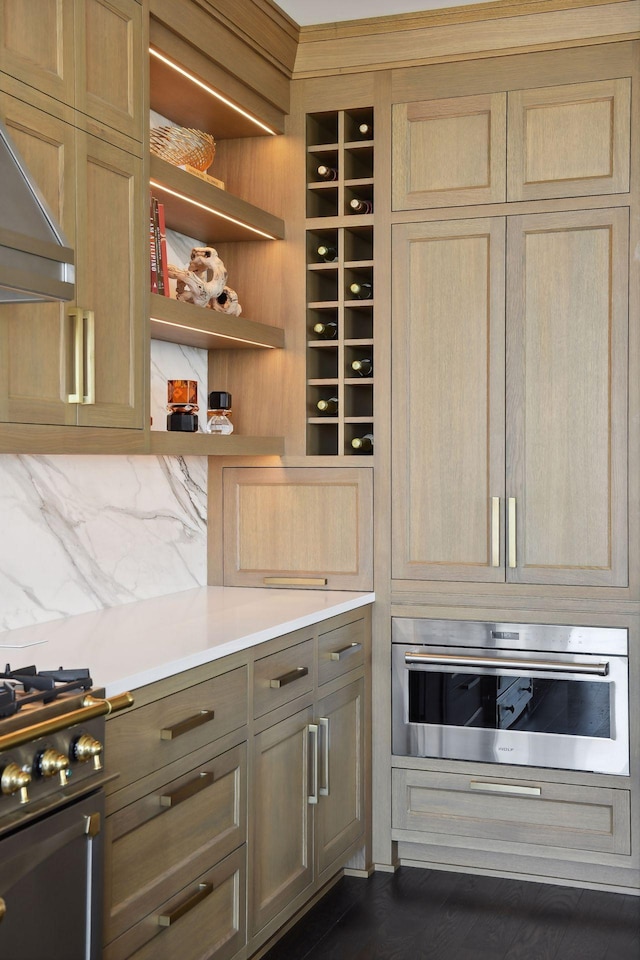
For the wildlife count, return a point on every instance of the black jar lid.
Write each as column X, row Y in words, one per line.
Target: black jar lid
column 219, row 400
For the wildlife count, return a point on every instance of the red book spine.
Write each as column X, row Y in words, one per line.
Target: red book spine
column 162, row 229
column 153, row 248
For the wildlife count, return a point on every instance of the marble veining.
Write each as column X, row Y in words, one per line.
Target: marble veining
column 83, row 533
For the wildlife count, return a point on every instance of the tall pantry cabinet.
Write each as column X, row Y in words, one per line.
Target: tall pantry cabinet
column 71, row 97
column 510, row 409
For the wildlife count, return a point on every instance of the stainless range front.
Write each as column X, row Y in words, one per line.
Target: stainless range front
column 528, row 694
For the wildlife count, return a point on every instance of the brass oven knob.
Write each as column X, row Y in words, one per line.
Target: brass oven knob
column 87, row 748
column 15, row 779
column 52, row 762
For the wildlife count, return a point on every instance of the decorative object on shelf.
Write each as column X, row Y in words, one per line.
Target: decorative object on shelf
column 227, row 302
column 203, row 279
column 182, row 397
column 183, row 146
column 218, row 413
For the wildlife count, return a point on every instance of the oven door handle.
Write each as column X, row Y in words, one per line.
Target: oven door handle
column 507, row 663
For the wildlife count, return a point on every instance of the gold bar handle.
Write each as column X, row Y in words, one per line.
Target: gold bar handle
column 294, row 581
column 323, row 723
column 510, row 788
column 513, row 561
column 186, row 726
column 201, row 782
column 3, row 908
column 286, row 678
column 345, row 651
column 89, row 356
column 313, row 732
column 77, row 316
column 166, row 919
column 495, row 531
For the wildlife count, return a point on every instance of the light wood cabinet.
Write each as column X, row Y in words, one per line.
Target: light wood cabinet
column 569, row 140
column 525, row 485
column 298, row 526
column 80, row 364
column 86, row 54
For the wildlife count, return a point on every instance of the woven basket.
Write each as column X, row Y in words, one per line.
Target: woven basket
column 181, row 145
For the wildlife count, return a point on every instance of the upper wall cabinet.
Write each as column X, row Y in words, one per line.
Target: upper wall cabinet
column 449, row 152
column 562, row 141
column 81, row 52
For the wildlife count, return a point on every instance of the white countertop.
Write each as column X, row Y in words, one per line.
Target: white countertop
column 128, row 646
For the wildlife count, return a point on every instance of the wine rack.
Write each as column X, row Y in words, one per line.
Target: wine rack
column 340, row 280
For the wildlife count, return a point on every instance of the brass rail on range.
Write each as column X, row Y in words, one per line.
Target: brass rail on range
column 91, row 707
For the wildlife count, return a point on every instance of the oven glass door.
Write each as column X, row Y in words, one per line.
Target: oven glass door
column 566, row 711
column 51, row 885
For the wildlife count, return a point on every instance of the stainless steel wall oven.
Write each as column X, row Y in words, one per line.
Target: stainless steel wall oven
column 529, row 694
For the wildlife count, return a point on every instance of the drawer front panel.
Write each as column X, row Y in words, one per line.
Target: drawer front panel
column 168, row 729
column 167, row 837
column 341, row 650
column 549, row 814
column 282, row 677
column 205, row 918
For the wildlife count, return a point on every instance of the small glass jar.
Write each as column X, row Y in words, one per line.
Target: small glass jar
column 218, row 413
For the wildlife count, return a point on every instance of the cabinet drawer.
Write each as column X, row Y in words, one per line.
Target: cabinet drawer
column 282, row 677
column 171, row 834
column 548, row 814
column 208, row 913
column 341, row 650
column 152, row 736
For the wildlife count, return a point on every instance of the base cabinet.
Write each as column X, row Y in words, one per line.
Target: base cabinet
column 241, row 791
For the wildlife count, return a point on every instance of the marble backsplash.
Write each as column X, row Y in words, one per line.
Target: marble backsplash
column 82, row 533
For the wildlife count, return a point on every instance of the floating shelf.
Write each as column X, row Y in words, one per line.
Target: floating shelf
column 174, row 444
column 178, row 322
column 200, row 209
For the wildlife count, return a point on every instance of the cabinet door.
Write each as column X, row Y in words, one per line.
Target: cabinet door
column 449, row 152
column 281, row 818
column 567, row 388
column 109, row 63
column 109, row 279
column 36, row 45
column 569, row 141
column 307, row 527
column 34, row 338
column 448, row 399
column 341, row 807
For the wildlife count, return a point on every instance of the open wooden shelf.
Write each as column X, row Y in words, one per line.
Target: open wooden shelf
column 199, row 209
column 174, row 444
column 178, row 322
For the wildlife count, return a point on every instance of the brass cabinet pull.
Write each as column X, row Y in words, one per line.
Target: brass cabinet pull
column 77, row 316
column 3, row 909
column 510, row 788
column 89, row 326
column 495, row 531
column 295, row 581
column 313, row 732
column 288, row 677
column 345, row 651
column 202, row 781
column 323, row 723
column 166, row 919
column 512, row 532
column 185, row 726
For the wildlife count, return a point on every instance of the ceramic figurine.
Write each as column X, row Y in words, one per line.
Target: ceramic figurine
column 204, row 278
column 227, row 302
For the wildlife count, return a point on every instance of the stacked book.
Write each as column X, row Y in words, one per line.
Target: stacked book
column 158, row 248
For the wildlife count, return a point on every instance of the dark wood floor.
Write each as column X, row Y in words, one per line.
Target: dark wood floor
column 419, row 914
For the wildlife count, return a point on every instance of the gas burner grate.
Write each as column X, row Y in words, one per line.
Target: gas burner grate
column 29, row 685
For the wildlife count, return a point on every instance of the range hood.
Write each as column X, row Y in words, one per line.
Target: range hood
column 35, row 263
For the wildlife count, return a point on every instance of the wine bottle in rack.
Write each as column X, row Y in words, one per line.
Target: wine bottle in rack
column 356, row 205
column 326, row 331
column 363, row 367
column 325, row 172
column 329, row 406
column 361, row 291
column 365, row 130
column 363, row 444
column 327, row 253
